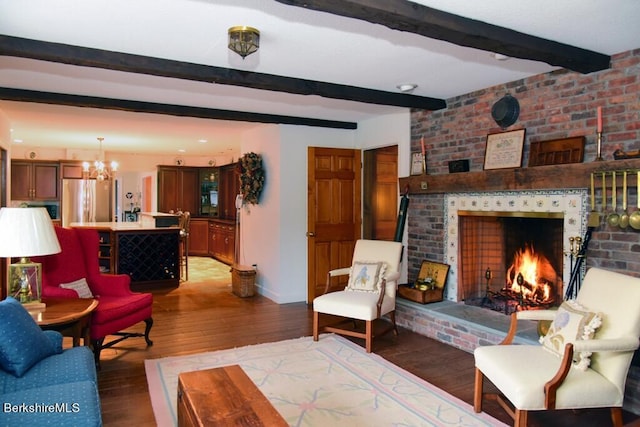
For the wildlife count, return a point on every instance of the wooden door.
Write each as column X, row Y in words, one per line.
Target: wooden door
column 380, row 199
column 333, row 214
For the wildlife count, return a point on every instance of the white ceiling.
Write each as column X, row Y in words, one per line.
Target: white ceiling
column 295, row 42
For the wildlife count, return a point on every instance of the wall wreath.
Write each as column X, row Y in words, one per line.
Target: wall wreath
column 251, row 177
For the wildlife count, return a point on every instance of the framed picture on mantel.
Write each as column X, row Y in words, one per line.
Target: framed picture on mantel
column 504, row 150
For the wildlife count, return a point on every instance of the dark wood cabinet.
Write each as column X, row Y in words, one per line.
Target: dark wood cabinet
column 209, row 192
column 105, row 251
column 34, row 180
column 229, row 189
column 72, row 170
column 178, row 189
column 222, row 240
column 210, row 195
column 199, row 237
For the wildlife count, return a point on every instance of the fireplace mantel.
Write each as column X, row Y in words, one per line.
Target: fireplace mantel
column 572, row 175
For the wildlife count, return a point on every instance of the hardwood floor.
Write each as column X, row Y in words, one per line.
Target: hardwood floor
column 203, row 315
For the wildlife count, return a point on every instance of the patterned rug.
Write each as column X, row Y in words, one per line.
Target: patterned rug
column 330, row 382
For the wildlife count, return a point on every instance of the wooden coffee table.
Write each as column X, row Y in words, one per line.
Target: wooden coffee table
column 223, row 397
column 69, row 316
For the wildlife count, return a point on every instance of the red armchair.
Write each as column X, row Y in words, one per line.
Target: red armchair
column 118, row 307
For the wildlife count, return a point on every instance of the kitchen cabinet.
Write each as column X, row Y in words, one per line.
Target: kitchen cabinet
column 149, row 255
column 199, row 237
column 178, row 189
column 209, row 191
column 222, row 240
column 229, row 189
column 72, row 170
column 34, row 180
column 105, row 253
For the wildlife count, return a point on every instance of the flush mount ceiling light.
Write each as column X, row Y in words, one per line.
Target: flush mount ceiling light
column 407, row 87
column 244, row 40
column 499, row 56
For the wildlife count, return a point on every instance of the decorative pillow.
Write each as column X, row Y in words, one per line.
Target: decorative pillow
column 366, row 276
column 572, row 323
column 80, row 286
column 22, row 342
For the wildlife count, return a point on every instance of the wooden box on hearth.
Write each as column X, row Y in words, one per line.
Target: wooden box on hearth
column 429, row 286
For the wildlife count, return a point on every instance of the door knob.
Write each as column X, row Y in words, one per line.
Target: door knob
column 311, row 234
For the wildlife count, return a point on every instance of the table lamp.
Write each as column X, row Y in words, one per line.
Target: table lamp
column 26, row 232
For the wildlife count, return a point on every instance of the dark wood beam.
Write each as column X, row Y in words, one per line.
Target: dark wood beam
column 89, row 57
column 169, row 109
column 415, row 18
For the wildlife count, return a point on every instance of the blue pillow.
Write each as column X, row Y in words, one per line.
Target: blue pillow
column 22, row 342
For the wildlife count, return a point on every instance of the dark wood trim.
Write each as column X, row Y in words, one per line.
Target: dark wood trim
column 414, row 18
column 118, row 61
column 169, row 109
column 573, row 175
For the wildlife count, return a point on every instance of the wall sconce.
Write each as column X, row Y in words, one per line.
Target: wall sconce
column 244, row 40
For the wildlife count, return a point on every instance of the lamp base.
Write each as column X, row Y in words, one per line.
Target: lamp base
column 25, row 281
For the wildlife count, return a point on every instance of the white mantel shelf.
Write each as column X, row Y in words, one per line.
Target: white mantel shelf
column 571, row 175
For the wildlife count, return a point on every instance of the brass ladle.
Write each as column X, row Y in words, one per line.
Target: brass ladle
column 634, row 219
column 624, row 218
column 614, row 218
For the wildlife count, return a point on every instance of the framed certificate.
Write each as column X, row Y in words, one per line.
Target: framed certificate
column 504, row 150
column 418, row 166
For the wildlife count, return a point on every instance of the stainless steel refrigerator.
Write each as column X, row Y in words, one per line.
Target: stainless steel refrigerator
column 86, row 200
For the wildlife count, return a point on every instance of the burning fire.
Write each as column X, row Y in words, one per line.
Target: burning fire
column 532, row 277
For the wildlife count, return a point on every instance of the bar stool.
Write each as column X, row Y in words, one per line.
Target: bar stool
column 185, row 219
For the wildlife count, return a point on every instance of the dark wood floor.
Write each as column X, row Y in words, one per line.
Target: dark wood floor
column 203, row 315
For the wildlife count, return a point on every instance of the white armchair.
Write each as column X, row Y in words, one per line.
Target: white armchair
column 370, row 292
column 556, row 374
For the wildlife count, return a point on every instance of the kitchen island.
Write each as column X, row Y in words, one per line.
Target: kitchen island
column 145, row 252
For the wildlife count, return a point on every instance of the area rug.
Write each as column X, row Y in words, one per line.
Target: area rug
column 332, row 382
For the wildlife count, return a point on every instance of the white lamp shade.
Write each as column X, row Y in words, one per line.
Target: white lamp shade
column 27, row 232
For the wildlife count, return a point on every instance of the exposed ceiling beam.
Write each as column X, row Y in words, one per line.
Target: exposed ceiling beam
column 89, row 57
column 169, row 109
column 415, row 18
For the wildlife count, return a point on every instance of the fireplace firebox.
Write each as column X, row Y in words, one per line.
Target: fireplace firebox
column 510, row 260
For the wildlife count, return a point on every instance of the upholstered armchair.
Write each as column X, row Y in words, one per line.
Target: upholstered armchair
column 118, row 307
column 370, row 293
column 583, row 359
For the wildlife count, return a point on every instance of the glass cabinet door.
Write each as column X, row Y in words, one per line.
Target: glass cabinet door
column 209, row 179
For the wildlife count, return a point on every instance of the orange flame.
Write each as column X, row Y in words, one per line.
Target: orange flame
column 537, row 273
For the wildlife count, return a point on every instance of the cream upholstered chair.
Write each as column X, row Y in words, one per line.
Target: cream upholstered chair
column 370, row 292
column 533, row 378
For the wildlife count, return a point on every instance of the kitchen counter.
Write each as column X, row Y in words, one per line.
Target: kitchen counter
column 120, row 226
column 147, row 253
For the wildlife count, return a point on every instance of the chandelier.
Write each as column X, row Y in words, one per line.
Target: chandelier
column 244, row 40
column 99, row 170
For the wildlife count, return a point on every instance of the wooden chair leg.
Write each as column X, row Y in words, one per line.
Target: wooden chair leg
column 392, row 317
column 616, row 417
column 369, row 335
column 316, row 316
column 477, row 393
column 520, row 418
column 148, row 324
